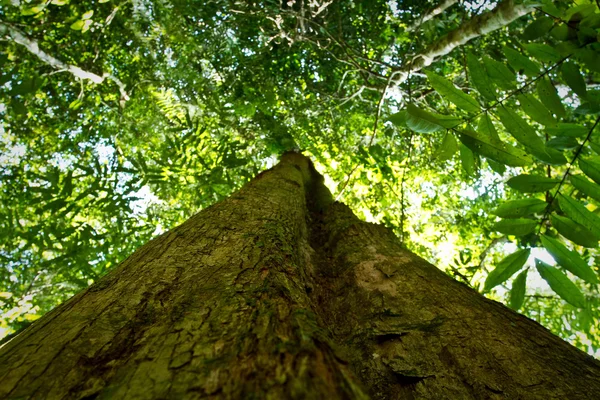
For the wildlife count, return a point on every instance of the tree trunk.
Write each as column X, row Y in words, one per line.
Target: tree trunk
column 279, row 292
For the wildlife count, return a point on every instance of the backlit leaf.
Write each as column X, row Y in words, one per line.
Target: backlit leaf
column 520, row 208
column 569, row 260
column 516, row 227
column 521, row 63
column 562, row 129
column 517, row 291
column 532, row 183
column 494, row 149
column 535, row 109
column 479, row 77
column 549, row 96
column 591, row 169
column 542, row 52
column 561, row 284
column 574, row 232
column 519, row 129
column 538, row 28
column 571, row 75
column 499, row 73
column 447, row 90
column 579, row 213
column 506, row 268
column 448, row 147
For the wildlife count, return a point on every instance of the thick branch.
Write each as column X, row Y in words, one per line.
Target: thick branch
column 505, row 13
column 12, row 33
column 432, row 14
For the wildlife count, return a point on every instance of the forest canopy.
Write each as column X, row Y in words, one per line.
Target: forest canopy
column 468, row 127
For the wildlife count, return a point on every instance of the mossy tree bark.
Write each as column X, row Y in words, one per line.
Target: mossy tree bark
column 279, row 292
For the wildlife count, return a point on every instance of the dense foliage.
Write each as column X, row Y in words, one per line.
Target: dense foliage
column 121, row 119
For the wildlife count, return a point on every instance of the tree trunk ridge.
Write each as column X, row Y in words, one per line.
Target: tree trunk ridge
column 279, row 292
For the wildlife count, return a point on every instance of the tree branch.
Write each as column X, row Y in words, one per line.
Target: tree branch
column 505, row 13
column 16, row 35
column 432, row 14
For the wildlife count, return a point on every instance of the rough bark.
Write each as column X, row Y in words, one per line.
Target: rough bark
column 279, row 292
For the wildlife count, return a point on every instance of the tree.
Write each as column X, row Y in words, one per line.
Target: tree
column 469, row 131
column 280, row 292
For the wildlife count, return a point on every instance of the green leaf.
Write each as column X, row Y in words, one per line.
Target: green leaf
column 561, row 284
column 535, row 109
column 486, row 127
column 521, row 63
column 448, row 147
column 591, row 169
column 538, row 28
column 77, row 25
column 571, row 130
column 468, row 160
column 480, row 78
column 572, row 76
column 548, row 155
column 451, row 93
column 399, row 118
column 496, row 166
column 594, row 146
column 569, row 260
column 422, row 121
column 574, row 232
column 517, row 291
column 500, row 74
column 520, row 208
column 578, row 213
column 542, row 52
column 516, row 227
column 87, row 14
column 519, row 129
column 563, row 143
column 549, row 96
column 506, row 268
column 590, row 58
column 494, row 149
column 532, row 183
column 33, row 10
